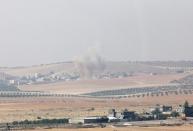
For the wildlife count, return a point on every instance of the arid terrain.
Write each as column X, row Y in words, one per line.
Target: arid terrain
column 87, row 86
column 31, row 108
column 181, row 128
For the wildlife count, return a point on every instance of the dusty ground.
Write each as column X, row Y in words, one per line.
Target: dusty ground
column 177, row 128
column 44, row 68
column 87, row 86
column 12, row 109
column 30, row 108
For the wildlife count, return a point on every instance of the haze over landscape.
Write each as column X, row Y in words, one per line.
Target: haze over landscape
column 46, row 31
column 105, row 65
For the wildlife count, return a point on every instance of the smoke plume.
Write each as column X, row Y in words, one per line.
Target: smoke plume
column 90, row 65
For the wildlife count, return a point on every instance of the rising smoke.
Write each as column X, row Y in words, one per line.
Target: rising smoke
column 90, row 65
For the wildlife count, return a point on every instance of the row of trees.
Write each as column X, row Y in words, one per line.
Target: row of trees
column 186, row 92
column 42, row 121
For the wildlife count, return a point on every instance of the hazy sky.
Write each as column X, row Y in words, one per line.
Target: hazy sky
column 44, row 31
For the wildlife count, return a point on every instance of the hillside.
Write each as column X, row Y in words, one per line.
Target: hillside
column 59, row 77
column 87, row 86
column 69, row 67
column 188, row 80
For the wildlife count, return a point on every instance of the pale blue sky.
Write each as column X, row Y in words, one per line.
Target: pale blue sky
column 45, row 31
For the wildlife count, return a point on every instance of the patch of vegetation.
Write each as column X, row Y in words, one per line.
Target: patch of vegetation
column 42, row 121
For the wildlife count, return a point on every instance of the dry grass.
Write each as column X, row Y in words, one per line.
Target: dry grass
column 175, row 128
column 44, row 69
column 31, row 108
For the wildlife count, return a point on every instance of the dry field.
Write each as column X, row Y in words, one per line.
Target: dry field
column 30, row 108
column 44, row 69
column 87, row 86
column 177, row 128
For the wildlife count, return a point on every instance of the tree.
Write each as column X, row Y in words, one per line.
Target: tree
column 188, row 110
column 186, row 104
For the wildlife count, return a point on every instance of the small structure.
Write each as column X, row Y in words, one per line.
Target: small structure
column 124, row 115
column 79, row 120
column 161, row 112
column 162, row 108
column 112, row 113
column 180, row 109
column 128, row 115
column 12, row 82
column 113, row 116
column 167, row 110
column 113, row 119
column 145, row 116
